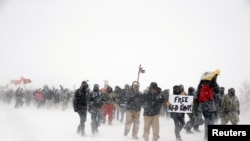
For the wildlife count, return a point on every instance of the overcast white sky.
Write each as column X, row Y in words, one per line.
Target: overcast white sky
column 64, row 42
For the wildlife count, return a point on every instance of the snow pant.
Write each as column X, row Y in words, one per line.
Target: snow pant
column 209, row 118
column 122, row 112
column 198, row 120
column 107, row 110
column 96, row 119
column 233, row 117
column 191, row 122
column 81, row 127
column 132, row 117
column 179, row 122
column 151, row 122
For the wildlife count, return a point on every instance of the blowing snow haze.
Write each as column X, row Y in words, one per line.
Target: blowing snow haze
column 60, row 42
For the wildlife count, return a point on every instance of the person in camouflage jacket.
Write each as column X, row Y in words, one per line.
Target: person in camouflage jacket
column 230, row 108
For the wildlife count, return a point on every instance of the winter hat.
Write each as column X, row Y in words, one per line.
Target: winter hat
column 126, row 85
column 84, row 83
column 96, row 86
column 191, row 90
column 153, row 85
column 231, row 91
column 176, row 89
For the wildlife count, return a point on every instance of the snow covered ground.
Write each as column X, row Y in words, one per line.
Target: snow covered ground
column 32, row 124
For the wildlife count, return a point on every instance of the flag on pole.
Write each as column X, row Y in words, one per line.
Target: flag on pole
column 16, row 82
column 141, row 70
column 25, row 80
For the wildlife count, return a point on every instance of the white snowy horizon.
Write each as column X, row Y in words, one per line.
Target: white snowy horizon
column 62, row 42
column 32, row 124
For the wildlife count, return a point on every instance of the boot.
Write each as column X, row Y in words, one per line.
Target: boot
column 178, row 139
column 196, row 128
column 126, row 133
column 178, row 136
column 83, row 133
column 93, row 131
column 155, row 138
column 135, row 137
column 145, row 138
column 78, row 131
column 188, row 131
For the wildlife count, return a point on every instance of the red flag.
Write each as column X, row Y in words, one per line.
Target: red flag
column 25, row 81
column 16, row 82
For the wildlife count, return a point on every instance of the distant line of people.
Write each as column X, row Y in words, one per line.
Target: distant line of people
column 42, row 97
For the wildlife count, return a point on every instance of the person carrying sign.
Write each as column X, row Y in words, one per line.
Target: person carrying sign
column 178, row 118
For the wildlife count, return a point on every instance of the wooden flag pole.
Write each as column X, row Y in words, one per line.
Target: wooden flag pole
column 139, row 71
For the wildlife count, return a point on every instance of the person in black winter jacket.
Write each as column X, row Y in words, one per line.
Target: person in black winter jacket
column 80, row 106
column 152, row 102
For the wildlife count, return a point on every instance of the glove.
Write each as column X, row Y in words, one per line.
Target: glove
column 91, row 103
column 238, row 112
column 196, row 113
column 162, row 100
column 225, row 112
column 168, row 103
column 123, row 105
column 91, row 110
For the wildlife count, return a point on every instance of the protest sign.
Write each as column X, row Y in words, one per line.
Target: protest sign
column 180, row 103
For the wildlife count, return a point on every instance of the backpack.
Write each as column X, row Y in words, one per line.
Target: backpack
column 206, row 93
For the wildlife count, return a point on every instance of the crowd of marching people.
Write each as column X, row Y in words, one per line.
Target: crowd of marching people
column 210, row 105
column 42, row 97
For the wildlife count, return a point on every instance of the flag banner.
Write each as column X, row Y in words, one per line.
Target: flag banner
column 16, row 82
column 25, row 81
column 224, row 132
